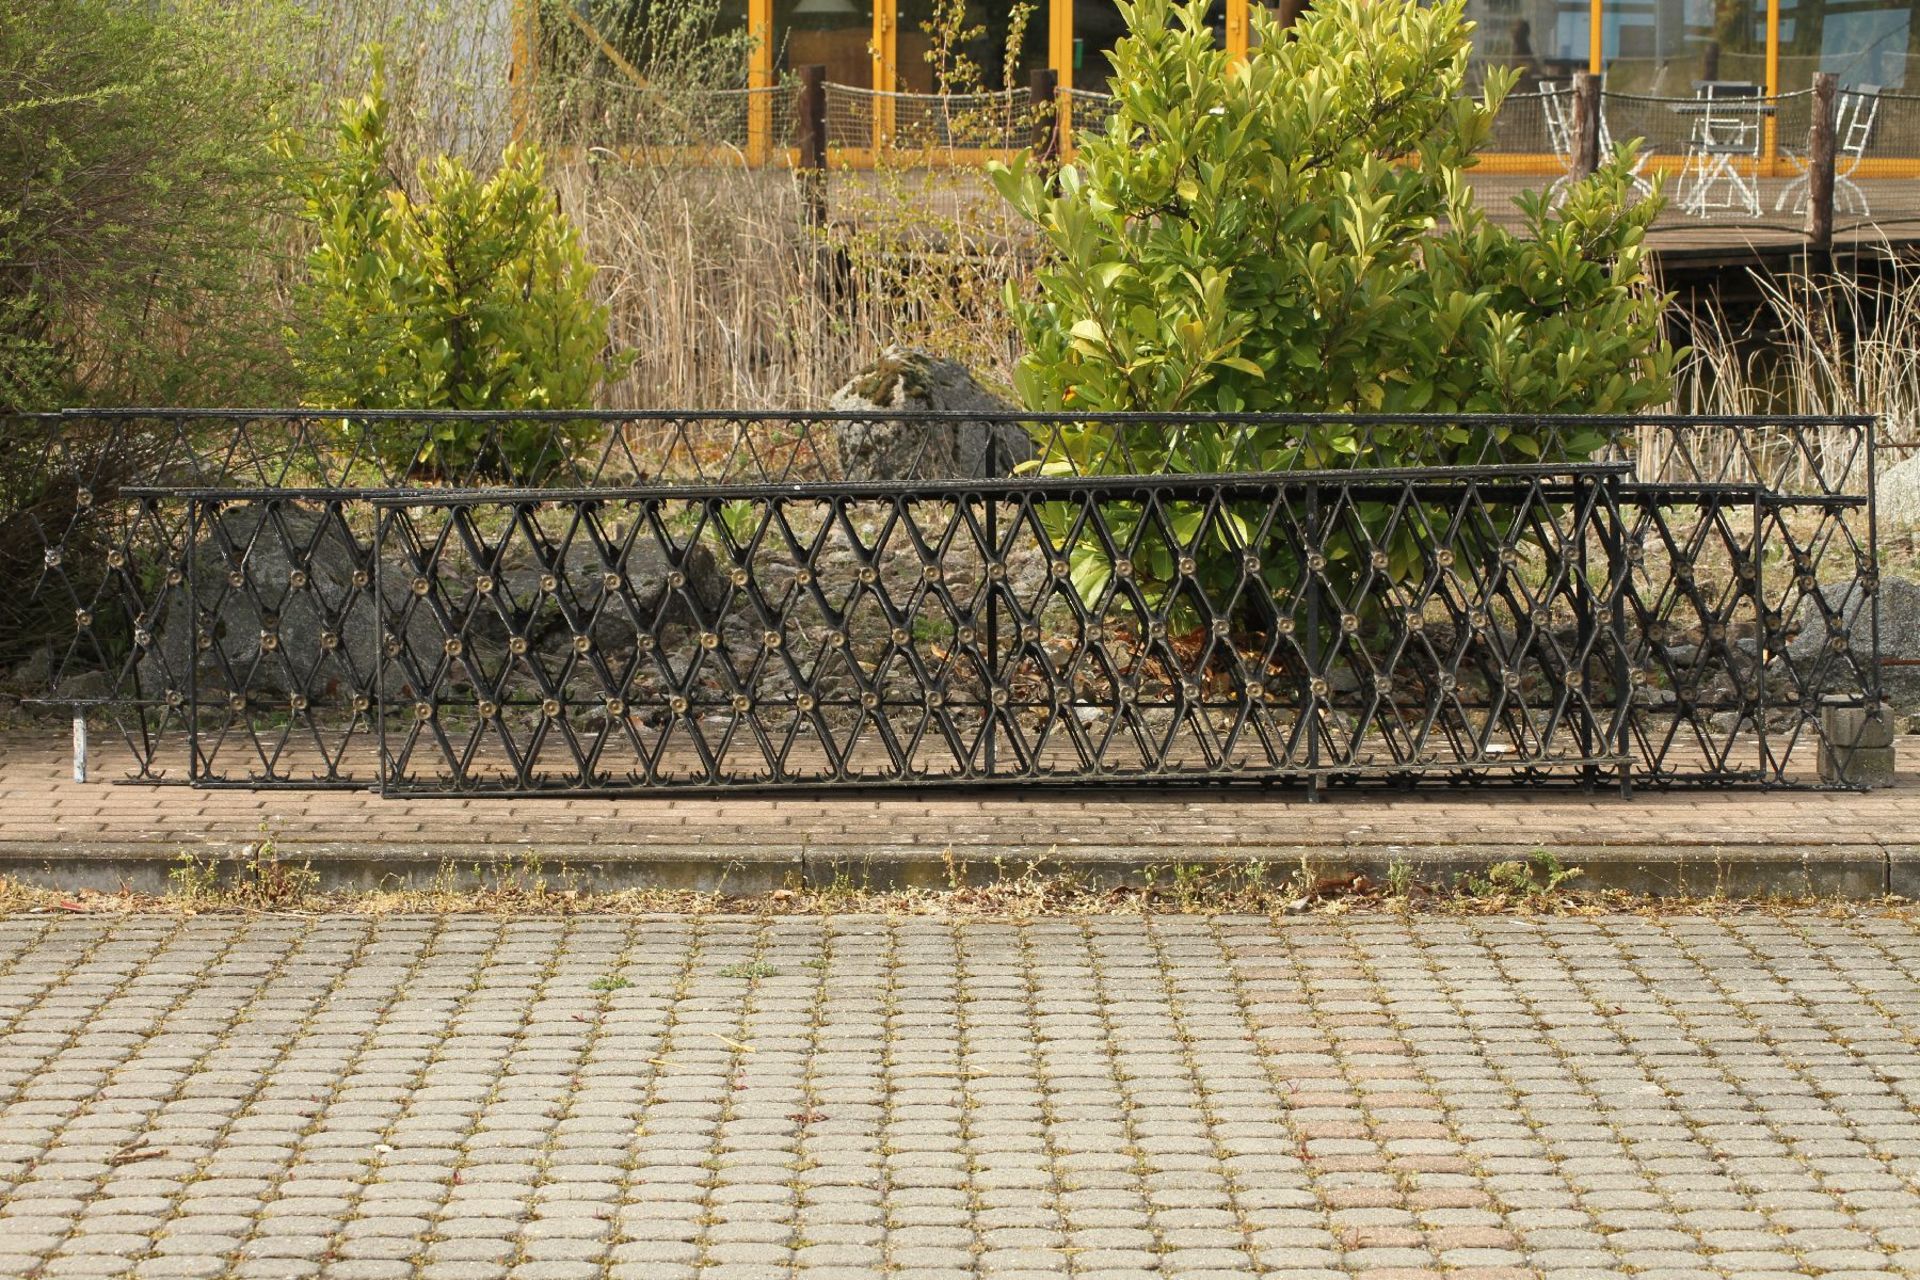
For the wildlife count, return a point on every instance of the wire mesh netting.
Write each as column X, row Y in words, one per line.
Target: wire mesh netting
column 1089, row 111
column 928, row 127
column 750, row 125
column 850, row 118
column 761, row 125
column 961, row 122
column 1730, row 162
column 1533, row 125
column 305, row 600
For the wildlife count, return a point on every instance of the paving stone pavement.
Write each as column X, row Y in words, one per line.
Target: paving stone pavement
column 100, row 835
column 1396, row 1098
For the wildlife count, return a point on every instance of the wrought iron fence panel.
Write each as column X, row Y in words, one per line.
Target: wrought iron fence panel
column 283, row 673
column 1749, row 610
column 1044, row 630
column 1695, row 685
column 222, row 573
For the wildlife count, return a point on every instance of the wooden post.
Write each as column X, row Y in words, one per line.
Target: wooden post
column 1043, row 93
column 1586, row 125
column 1239, row 28
column 1820, row 166
column 523, row 70
column 812, row 142
column 760, row 78
column 1060, row 57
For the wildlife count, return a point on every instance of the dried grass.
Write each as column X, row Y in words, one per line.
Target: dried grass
column 730, row 300
column 1831, row 346
column 1017, row 890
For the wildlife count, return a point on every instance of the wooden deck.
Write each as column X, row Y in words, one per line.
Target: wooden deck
column 1696, row 256
column 1731, row 239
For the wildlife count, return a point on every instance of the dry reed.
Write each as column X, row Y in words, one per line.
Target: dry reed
column 730, row 300
column 1830, row 346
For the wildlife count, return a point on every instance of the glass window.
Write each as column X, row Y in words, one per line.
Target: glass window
column 994, row 47
column 648, row 34
column 1098, row 26
column 1541, row 39
column 677, row 49
column 1664, row 47
column 836, row 34
column 1863, row 42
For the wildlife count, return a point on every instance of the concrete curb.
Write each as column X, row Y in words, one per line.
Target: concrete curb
column 1857, row 871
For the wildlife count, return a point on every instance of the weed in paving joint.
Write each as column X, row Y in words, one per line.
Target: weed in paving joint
column 1540, row 877
column 1400, row 880
column 1539, row 883
column 259, row 881
column 751, row 969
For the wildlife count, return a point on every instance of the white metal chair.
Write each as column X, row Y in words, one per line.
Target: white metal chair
column 1556, row 105
column 1727, row 130
column 1556, row 108
column 1855, row 112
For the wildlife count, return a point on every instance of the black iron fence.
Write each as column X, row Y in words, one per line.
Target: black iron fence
column 530, row 603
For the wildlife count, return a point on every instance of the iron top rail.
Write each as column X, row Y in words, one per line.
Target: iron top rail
column 1009, row 414
column 1413, row 479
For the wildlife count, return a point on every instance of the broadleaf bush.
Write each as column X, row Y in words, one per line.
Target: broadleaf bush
column 137, row 211
column 459, row 292
column 1294, row 232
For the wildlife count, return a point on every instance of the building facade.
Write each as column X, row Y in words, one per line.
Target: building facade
column 1644, row 46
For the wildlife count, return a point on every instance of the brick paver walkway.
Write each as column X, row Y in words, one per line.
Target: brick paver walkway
column 45, row 812
column 468, row 1098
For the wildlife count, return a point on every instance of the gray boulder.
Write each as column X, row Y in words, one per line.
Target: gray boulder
column 34, row 676
column 1899, row 637
column 1897, row 497
column 287, row 597
column 913, row 381
column 295, row 617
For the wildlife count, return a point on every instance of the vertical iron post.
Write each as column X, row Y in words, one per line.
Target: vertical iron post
column 1620, row 566
column 1312, row 702
column 1586, row 631
column 193, row 639
column 992, row 522
column 388, row 770
column 1870, row 579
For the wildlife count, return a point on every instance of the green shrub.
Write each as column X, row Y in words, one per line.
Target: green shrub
column 136, row 193
column 468, row 293
column 138, row 206
column 1295, row 233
